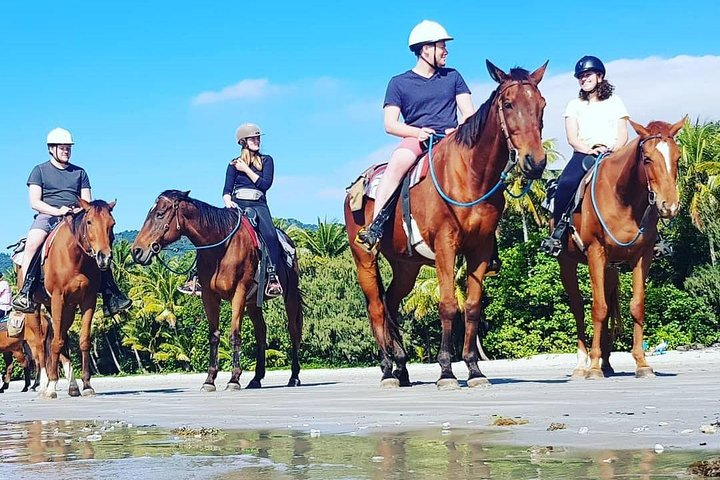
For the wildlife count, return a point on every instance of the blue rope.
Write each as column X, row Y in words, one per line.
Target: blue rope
column 521, row 194
column 500, row 184
column 641, row 230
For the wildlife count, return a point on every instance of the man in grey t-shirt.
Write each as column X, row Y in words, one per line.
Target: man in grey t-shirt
column 54, row 187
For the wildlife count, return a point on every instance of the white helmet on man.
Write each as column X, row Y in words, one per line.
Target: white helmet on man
column 59, row 136
column 426, row 32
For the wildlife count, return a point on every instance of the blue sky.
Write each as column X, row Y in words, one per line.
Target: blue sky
column 153, row 91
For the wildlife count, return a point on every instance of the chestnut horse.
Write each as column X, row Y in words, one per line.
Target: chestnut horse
column 14, row 347
column 469, row 166
column 80, row 249
column 227, row 259
column 617, row 223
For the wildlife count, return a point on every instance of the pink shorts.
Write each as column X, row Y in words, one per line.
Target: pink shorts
column 412, row 144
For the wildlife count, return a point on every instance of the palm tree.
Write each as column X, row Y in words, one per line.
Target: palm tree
column 329, row 240
column 699, row 181
column 527, row 205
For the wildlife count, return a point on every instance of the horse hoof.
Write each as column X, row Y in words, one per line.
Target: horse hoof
column 48, row 395
column 208, row 387
column 595, row 374
column 448, row 384
column 254, row 384
column 74, row 392
column 579, row 374
column 644, row 372
column 294, row 382
column 478, row 382
column 387, row 383
column 24, row 389
column 608, row 372
column 232, row 386
column 88, row 392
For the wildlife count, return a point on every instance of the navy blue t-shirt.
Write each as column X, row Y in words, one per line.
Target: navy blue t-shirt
column 427, row 102
column 235, row 179
column 60, row 187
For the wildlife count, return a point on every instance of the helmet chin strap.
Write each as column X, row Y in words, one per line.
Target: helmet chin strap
column 53, row 153
column 434, row 64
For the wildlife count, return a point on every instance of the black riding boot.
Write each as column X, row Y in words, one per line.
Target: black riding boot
column 114, row 300
column 495, row 263
column 368, row 237
column 552, row 245
column 23, row 301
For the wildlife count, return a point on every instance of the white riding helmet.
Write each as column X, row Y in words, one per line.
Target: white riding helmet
column 59, row 136
column 427, row 31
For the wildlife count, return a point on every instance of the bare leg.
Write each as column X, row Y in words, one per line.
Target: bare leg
column 399, row 163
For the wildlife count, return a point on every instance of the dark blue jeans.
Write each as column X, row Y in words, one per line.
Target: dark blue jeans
column 266, row 227
column 569, row 182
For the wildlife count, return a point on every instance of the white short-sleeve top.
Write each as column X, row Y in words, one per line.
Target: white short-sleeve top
column 597, row 121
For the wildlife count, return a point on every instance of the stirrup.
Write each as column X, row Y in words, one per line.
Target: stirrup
column 273, row 288
column 367, row 239
column 552, row 246
column 663, row 248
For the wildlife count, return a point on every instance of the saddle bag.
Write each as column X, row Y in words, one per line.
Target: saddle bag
column 15, row 324
column 355, row 192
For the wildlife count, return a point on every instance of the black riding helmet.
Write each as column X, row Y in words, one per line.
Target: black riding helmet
column 588, row 63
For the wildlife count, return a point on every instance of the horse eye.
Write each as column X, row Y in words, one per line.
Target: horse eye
column 89, row 222
column 507, row 105
column 160, row 214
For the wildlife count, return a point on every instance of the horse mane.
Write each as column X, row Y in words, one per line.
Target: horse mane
column 210, row 218
column 469, row 132
column 78, row 227
column 658, row 127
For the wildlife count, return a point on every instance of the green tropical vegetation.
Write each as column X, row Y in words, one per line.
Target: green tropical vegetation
column 526, row 309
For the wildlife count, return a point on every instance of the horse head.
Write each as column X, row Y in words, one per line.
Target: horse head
column 97, row 231
column 659, row 155
column 161, row 227
column 520, row 110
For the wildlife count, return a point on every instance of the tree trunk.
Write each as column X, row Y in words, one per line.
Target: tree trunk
column 713, row 258
column 112, row 354
column 137, row 357
column 526, row 235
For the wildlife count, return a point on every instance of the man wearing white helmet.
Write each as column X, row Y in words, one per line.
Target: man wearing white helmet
column 428, row 97
column 54, row 187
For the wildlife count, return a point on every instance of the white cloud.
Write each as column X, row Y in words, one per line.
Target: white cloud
column 245, row 89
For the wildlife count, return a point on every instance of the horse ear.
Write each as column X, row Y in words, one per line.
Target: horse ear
column 537, row 75
column 677, row 126
column 83, row 204
column 495, row 73
column 185, row 194
column 112, row 204
column 639, row 129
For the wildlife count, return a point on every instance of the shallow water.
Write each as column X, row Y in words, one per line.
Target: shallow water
column 118, row 450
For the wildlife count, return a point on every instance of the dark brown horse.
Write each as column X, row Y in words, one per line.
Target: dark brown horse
column 617, row 223
column 226, row 272
column 14, row 347
column 80, row 249
column 468, row 166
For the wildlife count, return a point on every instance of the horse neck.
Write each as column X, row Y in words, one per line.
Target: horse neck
column 191, row 226
column 486, row 156
column 631, row 180
column 76, row 230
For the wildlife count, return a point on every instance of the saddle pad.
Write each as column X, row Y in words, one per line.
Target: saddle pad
column 417, row 172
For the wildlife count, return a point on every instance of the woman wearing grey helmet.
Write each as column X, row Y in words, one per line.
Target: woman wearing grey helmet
column 595, row 124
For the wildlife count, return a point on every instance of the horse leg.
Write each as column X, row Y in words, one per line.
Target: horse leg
column 403, row 281
column 371, row 284
column 637, row 311
column 260, row 329
column 473, row 314
column 238, row 308
column 608, row 334
column 448, row 309
column 211, row 304
column 597, row 265
column 56, row 345
column 25, row 363
column 569, row 277
column 35, row 339
column 294, row 310
column 8, row 356
column 88, row 310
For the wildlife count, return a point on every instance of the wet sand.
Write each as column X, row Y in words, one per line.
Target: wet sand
column 620, row 412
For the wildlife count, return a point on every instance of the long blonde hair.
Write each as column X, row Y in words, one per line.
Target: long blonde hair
column 250, row 158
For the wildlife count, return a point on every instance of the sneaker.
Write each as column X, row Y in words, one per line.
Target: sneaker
column 367, row 240
column 116, row 304
column 273, row 287
column 191, row 287
column 23, row 303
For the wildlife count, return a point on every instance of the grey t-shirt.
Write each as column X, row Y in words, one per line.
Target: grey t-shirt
column 60, row 188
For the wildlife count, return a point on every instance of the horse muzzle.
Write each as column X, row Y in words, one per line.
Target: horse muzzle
column 141, row 256
column 531, row 168
column 668, row 210
column 103, row 260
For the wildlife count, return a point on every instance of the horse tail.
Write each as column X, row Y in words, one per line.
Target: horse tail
column 612, row 298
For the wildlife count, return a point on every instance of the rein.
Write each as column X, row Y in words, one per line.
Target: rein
column 156, row 248
column 509, row 165
column 651, row 197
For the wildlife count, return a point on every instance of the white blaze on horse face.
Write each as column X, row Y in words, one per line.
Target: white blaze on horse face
column 664, row 148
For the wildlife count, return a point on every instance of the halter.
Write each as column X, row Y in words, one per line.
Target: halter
column 509, row 165
column 83, row 240
column 652, row 195
column 156, row 248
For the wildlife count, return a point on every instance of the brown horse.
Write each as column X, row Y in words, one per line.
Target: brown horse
column 227, row 260
column 80, row 249
column 617, row 223
column 469, row 164
column 14, row 347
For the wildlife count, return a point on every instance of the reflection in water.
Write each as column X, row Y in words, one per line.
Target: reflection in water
column 119, row 450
